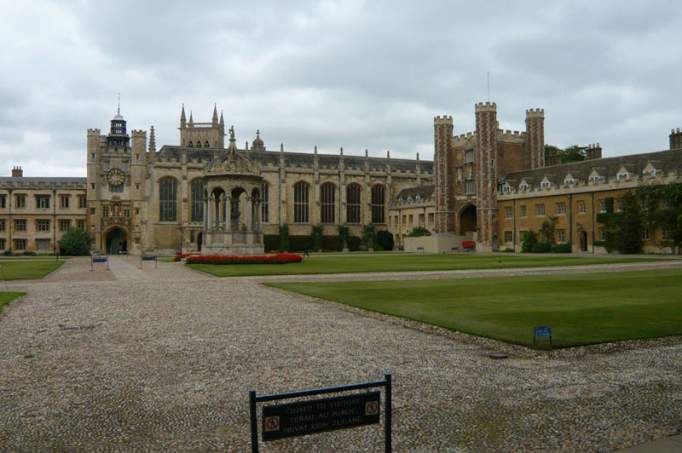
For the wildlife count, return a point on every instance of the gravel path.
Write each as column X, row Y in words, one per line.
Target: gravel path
column 162, row 359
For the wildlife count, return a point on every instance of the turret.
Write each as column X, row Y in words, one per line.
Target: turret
column 214, row 119
column 676, row 139
column 183, row 119
column 442, row 128
column 593, row 151
column 152, row 140
column 486, row 175
column 535, row 133
column 17, row 172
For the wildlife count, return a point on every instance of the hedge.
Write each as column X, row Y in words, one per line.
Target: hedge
column 303, row 243
column 278, row 258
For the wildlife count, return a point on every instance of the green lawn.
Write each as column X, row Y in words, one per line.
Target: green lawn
column 387, row 262
column 14, row 269
column 581, row 309
column 7, row 297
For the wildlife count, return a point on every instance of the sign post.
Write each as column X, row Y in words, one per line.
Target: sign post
column 542, row 332
column 98, row 259
column 323, row 414
column 144, row 258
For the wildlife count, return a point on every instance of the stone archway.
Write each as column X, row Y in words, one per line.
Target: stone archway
column 467, row 220
column 116, row 240
column 583, row 241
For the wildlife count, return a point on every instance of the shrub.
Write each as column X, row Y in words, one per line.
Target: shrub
column 29, row 253
column 385, row 240
column 317, row 237
column 271, row 242
column 300, row 243
column 343, row 236
column 284, row 238
column 75, row 242
column 277, row 258
column 530, row 238
column 541, row 247
column 369, row 236
column 8, row 253
column 331, row 243
column 562, row 248
column 418, row 232
column 354, row 243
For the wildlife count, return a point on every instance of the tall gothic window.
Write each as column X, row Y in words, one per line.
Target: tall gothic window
column 265, row 207
column 301, row 190
column 197, row 201
column 168, row 199
column 328, row 195
column 353, row 194
column 378, row 193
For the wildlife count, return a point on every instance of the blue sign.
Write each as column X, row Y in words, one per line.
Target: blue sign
column 542, row 331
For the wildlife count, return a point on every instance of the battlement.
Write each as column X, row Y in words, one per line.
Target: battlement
column 676, row 131
column 94, row 131
column 507, row 133
column 443, row 120
column 463, row 137
column 535, row 113
column 486, row 107
column 138, row 133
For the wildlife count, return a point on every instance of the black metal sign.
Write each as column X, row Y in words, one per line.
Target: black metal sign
column 316, row 416
column 323, row 414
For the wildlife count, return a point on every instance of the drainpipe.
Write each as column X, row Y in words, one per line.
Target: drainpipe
column 9, row 227
column 54, row 221
column 594, row 222
column 570, row 220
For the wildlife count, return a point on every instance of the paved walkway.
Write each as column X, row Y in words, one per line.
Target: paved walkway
column 162, row 360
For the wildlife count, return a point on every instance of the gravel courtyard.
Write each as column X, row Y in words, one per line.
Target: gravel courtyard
column 162, row 360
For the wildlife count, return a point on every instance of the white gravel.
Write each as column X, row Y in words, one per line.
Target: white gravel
column 162, row 360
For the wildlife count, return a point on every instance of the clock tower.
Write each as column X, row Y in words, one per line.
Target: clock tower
column 115, row 188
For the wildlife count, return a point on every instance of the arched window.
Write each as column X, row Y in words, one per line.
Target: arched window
column 168, row 199
column 197, row 209
column 301, row 202
column 190, row 145
column 328, row 196
column 206, row 144
column 378, row 194
column 353, row 197
column 265, row 196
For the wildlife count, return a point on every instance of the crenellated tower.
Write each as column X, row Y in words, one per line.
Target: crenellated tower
column 535, row 133
column 486, row 175
column 445, row 216
column 676, row 139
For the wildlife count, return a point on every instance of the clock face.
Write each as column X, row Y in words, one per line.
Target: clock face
column 116, row 177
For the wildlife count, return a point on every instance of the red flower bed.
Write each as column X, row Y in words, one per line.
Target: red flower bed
column 468, row 245
column 279, row 258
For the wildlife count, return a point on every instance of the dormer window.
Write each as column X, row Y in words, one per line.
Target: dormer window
column 506, row 188
column 523, row 186
column 622, row 174
column 594, row 177
column 569, row 180
column 545, row 184
column 649, row 170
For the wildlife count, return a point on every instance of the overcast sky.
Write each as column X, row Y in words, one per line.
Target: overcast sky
column 335, row 73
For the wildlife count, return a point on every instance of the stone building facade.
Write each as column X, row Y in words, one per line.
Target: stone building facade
column 142, row 199
column 489, row 185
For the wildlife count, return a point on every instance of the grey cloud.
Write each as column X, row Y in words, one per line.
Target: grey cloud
column 356, row 74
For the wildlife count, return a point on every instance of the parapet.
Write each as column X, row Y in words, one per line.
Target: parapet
column 94, row 131
column 486, row 107
column 443, row 120
column 138, row 133
column 535, row 113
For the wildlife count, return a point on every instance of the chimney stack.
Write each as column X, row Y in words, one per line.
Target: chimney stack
column 676, row 139
column 17, row 172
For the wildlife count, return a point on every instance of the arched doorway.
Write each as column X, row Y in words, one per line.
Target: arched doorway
column 200, row 240
column 117, row 241
column 467, row 220
column 583, row 241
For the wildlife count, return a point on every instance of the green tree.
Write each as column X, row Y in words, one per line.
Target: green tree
column 75, row 242
column 530, row 238
column 630, row 225
column 343, row 236
column 418, row 232
column 385, row 240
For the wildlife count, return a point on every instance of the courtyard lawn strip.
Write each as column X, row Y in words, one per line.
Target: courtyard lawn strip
column 7, row 297
column 581, row 308
column 388, row 262
column 27, row 269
